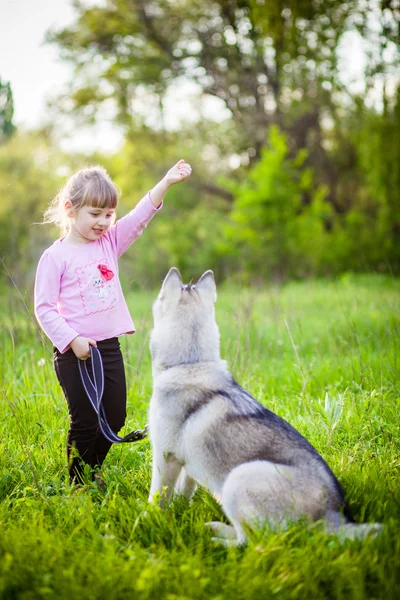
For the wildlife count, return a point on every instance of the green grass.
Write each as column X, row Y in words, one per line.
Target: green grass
column 323, row 355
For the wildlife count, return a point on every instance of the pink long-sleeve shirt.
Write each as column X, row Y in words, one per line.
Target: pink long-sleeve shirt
column 73, row 296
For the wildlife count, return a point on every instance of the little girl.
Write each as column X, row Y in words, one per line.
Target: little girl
column 79, row 301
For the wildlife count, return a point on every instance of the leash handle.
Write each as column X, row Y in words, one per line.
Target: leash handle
column 94, row 389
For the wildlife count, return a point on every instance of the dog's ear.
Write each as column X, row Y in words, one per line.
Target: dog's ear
column 171, row 287
column 206, row 286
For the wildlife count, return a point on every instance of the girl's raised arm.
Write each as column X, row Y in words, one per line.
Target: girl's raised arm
column 127, row 229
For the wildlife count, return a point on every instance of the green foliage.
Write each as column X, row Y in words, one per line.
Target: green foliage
column 323, row 355
column 7, row 127
column 278, row 218
column 282, row 225
column 28, row 181
column 378, row 208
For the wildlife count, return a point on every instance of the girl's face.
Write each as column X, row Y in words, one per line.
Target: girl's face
column 89, row 224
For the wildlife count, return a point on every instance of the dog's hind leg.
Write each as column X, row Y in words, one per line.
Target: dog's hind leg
column 258, row 492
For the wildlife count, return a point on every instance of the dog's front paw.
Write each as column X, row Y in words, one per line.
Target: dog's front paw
column 221, row 530
column 158, row 499
column 226, row 543
column 224, row 534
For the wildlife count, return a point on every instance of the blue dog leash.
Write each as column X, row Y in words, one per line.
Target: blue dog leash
column 94, row 389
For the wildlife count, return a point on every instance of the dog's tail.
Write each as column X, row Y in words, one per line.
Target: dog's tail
column 359, row 531
column 347, row 529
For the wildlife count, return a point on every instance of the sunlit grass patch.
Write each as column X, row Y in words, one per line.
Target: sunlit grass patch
column 323, row 355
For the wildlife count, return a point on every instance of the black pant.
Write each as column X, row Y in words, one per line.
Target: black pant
column 85, row 442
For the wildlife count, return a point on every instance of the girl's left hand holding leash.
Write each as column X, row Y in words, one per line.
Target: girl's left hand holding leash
column 179, row 172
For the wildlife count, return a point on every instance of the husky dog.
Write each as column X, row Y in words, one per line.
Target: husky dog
column 206, row 429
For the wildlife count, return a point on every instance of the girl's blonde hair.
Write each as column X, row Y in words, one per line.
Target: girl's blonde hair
column 91, row 186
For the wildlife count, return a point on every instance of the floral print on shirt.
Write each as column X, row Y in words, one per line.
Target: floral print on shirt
column 97, row 294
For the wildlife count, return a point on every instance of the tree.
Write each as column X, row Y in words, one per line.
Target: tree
column 252, row 55
column 6, row 111
column 268, row 62
column 271, row 64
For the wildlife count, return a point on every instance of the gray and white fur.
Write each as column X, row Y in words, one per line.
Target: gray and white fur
column 205, row 429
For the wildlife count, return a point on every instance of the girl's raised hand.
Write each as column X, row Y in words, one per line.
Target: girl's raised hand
column 179, row 172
